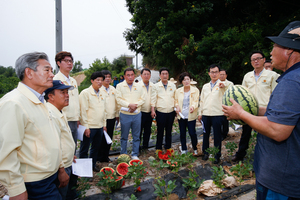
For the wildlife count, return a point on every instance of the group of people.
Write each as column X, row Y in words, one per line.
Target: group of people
column 38, row 138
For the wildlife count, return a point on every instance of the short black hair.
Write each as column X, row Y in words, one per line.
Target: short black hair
column 145, row 69
column 182, row 75
column 96, row 75
column 163, row 69
column 46, row 95
column 128, row 70
column 213, row 66
column 106, row 72
column 256, row 51
column 223, row 70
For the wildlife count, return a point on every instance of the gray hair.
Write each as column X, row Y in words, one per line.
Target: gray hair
column 28, row 60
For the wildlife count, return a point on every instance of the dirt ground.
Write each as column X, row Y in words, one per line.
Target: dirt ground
column 232, row 136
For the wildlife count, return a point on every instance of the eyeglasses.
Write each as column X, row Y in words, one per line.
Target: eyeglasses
column 256, row 59
column 67, row 61
column 216, row 72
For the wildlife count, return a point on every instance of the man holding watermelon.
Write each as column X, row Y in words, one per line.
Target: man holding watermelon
column 261, row 83
column 276, row 158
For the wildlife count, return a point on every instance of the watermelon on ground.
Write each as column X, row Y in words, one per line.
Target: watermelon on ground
column 122, row 169
column 242, row 96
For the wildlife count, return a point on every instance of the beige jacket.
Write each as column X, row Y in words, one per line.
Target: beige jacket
column 163, row 100
column 29, row 143
column 194, row 100
column 125, row 96
column 92, row 108
column 72, row 111
column 111, row 105
column 211, row 100
column 264, row 86
column 146, row 107
column 66, row 139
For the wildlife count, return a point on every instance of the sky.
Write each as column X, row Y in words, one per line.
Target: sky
column 91, row 29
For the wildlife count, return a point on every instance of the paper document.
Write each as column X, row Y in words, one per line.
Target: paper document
column 83, row 167
column 180, row 114
column 108, row 139
column 80, row 132
column 127, row 109
column 203, row 126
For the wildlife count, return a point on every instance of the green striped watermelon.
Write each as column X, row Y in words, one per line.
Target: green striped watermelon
column 243, row 97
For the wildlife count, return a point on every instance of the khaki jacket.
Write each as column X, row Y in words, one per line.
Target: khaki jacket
column 211, row 100
column 163, row 100
column 194, row 101
column 264, row 86
column 125, row 96
column 29, row 143
column 72, row 111
column 66, row 139
column 111, row 105
column 92, row 108
column 146, row 107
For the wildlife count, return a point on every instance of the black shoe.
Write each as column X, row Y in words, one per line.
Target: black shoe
column 236, row 158
column 205, row 157
column 217, row 160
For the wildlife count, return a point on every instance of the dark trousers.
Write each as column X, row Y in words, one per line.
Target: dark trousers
column 94, row 139
column 104, row 147
column 46, row 189
column 225, row 128
column 216, row 122
column 73, row 128
column 244, row 141
column 146, row 126
column 164, row 122
column 191, row 125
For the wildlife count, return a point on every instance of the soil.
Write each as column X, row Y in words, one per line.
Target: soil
column 233, row 136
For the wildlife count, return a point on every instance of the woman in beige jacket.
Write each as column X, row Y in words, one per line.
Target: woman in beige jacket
column 186, row 104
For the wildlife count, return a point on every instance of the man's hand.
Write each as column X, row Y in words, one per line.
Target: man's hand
column 192, row 109
column 234, row 111
column 117, row 120
column 221, row 85
column 78, row 123
column 153, row 114
column 22, row 196
column 200, row 118
column 75, row 157
column 87, row 132
column 63, row 177
column 132, row 107
column 177, row 110
column 104, row 128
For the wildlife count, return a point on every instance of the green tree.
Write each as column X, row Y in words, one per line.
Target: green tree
column 77, row 67
column 191, row 35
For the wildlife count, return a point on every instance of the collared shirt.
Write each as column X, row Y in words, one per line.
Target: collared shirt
column 194, row 99
column 125, row 96
column 212, row 85
column 163, row 99
column 92, row 108
column 111, row 106
column 72, row 111
column 67, row 79
column 276, row 164
column 263, row 87
column 38, row 95
column 66, row 138
column 211, row 100
column 29, row 143
column 146, row 107
column 257, row 76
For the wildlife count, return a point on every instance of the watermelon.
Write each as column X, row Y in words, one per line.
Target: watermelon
column 106, row 169
column 119, row 183
column 122, row 169
column 135, row 161
column 123, row 158
column 243, row 97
